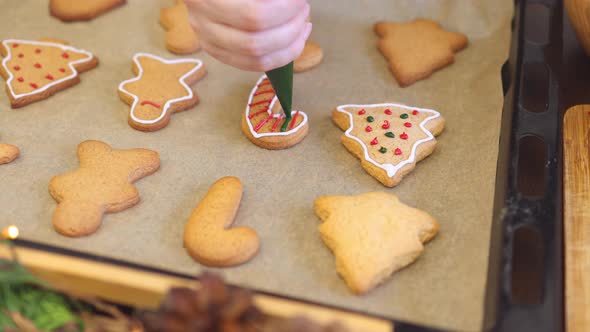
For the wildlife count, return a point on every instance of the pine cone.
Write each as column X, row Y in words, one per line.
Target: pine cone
column 214, row 307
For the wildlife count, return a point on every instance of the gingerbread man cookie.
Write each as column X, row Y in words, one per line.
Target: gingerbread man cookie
column 8, row 153
column 263, row 119
column 372, row 235
column 389, row 139
column 418, row 48
column 81, row 10
column 161, row 87
column 206, row 235
column 102, row 184
column 35, row 70
column 180, row 36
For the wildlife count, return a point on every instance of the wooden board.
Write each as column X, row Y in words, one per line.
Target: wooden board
column 146, row 289
column 576, row 141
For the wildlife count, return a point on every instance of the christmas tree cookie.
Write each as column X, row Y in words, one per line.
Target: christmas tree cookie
column 161, row 87
column 35, row 70
column 389, row 139
column 372, row 235
column 264, row 117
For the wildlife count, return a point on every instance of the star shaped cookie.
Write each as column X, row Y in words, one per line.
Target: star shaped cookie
column 161, row 87
column 418, row 48
column 8, row 153
column 372, row 235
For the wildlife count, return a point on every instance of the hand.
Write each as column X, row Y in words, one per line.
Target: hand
column 255, row 35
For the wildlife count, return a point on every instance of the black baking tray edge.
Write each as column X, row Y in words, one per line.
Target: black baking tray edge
column 513, row 209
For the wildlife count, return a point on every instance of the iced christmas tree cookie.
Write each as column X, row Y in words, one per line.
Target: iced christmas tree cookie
column 389, row 139
column 35, row 70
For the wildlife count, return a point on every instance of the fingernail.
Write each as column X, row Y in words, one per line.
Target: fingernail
column 309, row 28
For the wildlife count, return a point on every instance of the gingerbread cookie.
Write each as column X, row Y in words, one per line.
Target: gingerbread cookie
column 418, row 48
column 389, row 139
column 372, row 235
column 206, row 235
column 81, row 10
column 180, row 36
column 161, row 87
column 102, row 184
column 8, row 153
column 35, row 70
column 311, row 56
column 263, row 119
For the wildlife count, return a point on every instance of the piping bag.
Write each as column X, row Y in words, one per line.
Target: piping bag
column 281, row 80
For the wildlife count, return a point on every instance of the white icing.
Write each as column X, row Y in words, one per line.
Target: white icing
column 390, row 168
column 40, row 43
column 269, row 111
column 136, row 57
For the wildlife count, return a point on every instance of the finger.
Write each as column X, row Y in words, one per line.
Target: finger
column 259, row 63
column 255, row 43
column 251, row 15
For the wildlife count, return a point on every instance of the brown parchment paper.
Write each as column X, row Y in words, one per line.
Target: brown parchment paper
column 444, row 288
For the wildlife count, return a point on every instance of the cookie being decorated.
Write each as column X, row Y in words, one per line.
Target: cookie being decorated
column 181, row 38
column 264, row 118
column 81, row 10
column 418, row 48
column 161, row 88
column 102, row 184
column 35, row 70
column 389, row 139
column 372, row 235
column 8, row 153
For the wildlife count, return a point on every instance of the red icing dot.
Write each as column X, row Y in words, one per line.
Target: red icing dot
column 388, row 111
column 403, row 135
column 368, row 129
column 16, row 67
column 37, row 65
column 33, row 85
column 49, row 77
column 20, row 79
column 65, row 55
column 374, row 141
column 398, row 151
column 63, row 70
column 415, row 112
column 408, row 124
column 385, row 124
column 15, row 45
column 38, row 51
column 20, row 55
column 361, row 112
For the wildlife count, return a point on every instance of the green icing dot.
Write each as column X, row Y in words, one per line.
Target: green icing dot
column 404, row 116
column 370, row 119
column 389, row 134
column 383, row 150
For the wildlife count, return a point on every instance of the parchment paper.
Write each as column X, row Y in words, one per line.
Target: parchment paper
column 444, row 288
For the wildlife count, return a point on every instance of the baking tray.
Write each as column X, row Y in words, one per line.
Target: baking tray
column 498, row 261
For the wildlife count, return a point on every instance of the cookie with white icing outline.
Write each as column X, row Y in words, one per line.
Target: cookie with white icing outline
column 161, row 88
column 389, row 139
column 181, row 38
column 372, row 235
column 35, row 70
column 264, row 116
column 81, row 10
column 8, row 153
